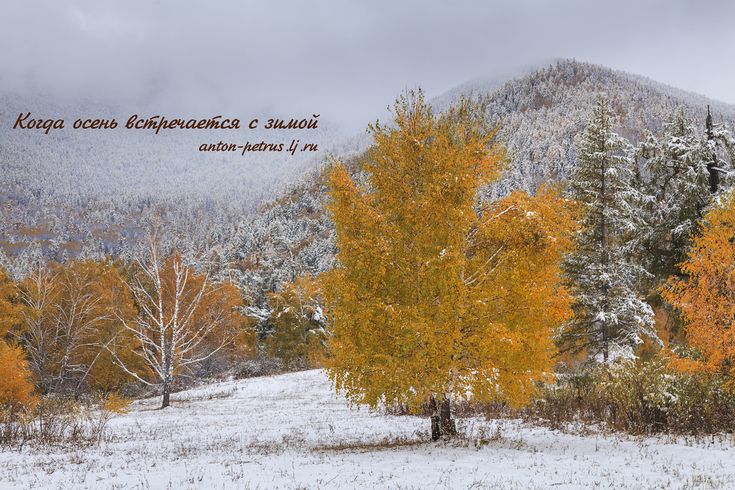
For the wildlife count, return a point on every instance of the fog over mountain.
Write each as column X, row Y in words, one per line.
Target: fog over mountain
column 478, row 229
column 540, row 117
column 346, row 61
column 73, row 191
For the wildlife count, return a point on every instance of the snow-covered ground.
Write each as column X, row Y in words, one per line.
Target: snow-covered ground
column 292, row 431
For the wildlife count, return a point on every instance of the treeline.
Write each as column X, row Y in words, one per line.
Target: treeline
column 650, row 279
column 294, row 236
column 90, row 328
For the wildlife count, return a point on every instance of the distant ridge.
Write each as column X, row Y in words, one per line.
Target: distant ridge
column 540, row 115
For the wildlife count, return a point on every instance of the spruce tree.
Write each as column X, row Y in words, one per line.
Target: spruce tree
column 610, row 319
column 684, row 170
column 677, row 186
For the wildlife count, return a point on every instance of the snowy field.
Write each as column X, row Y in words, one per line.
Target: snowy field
column 292, row 431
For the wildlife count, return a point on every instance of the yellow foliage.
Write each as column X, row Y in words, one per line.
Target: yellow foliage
column 115, row 403
column 214, row 308
column 687, row 365
column 9, row 308
column 16, row 389
column 706, row 297
column 69, row 312
column 183, row 315
column 431, row 296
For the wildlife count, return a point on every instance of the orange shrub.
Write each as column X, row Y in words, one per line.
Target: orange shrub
column 16, row 389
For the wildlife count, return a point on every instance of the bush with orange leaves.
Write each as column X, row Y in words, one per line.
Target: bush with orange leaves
column 16, row 389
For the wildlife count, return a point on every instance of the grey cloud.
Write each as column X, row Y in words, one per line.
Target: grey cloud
column 346, row 60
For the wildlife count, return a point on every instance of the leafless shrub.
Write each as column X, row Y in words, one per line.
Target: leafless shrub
column 56, row 421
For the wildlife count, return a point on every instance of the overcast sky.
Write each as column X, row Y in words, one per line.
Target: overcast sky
column 345, row 59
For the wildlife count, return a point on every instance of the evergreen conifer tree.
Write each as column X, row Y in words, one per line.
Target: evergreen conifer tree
column 677, row 185
column 684, row 169
column 610, row 319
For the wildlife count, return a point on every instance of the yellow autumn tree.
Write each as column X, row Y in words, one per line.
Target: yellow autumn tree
column 9, row 309
column 16, row 388
column 69, row 314
column 184, row 319
column 437, row 298
column 706, row 296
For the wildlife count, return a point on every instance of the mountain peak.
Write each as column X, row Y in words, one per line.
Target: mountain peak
column 541, row 112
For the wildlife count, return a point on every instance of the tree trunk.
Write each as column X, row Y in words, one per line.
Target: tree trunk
column 603, row 256
column 167, row 377
column 436, row 432
column 714, row 174
column 166, row 394
column 442, row 424
column 448, row 427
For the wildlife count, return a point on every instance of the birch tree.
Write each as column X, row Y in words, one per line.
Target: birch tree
column 184, row 318
column 67, row 314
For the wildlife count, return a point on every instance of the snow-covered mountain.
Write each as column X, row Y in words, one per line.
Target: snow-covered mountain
column 74, row 188
column 90, row 192
column 540, row 116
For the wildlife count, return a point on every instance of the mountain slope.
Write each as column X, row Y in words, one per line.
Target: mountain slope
column 94, row 189
column 540, row 116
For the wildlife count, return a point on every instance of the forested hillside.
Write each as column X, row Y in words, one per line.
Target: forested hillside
column 540, row 117
column 68, row 194
column 90, row 192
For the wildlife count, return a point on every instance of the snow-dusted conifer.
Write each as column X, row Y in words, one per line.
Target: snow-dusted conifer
column 677, row 184
column 610, row 319
column 679, row 170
